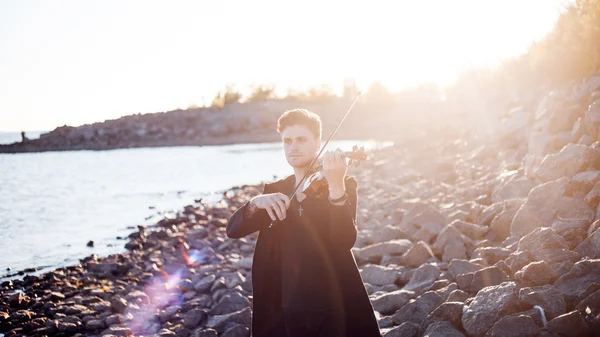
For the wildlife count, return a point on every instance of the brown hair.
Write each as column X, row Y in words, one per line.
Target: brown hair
column 303, row 117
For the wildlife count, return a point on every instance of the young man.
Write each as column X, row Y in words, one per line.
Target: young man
column 304, row 277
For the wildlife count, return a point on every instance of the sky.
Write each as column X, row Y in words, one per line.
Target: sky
column 77, row 62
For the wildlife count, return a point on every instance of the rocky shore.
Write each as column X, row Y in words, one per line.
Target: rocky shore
column 235, row 123
column 458, row 236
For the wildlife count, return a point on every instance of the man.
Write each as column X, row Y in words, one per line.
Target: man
column 305, row 280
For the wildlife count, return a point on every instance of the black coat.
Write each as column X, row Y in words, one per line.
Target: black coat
column 336, row 234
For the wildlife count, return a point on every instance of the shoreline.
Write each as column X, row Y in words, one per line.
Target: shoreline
column 456, row 236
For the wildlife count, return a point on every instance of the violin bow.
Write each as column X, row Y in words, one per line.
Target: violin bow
column 321, row 151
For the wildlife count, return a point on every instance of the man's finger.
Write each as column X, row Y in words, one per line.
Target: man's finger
column 282, row 208
column 285, row 199
column 270, row 211
column 277, row 208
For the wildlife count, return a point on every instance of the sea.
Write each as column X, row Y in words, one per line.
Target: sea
column 53, row 203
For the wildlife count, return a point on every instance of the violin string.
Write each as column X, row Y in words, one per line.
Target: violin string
column 291, row 197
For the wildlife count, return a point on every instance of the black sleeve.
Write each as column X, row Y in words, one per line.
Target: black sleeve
column 343, row 218
column 239, row 225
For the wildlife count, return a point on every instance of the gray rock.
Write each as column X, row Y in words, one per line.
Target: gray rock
column 583, row 274
column 489, row 305
column 459, row 267
column 417, row 310
column 237, row 331
column 449, row 311
column 512, row 325
column 389, row 303
column 547, row 297
column 373, row 253
column 534, row 274
column 218, row 322
column 194, row 318
column 489, row 276
column 416, row 255
column 379, row 275
column 423, row 278
column 540, row 208
column 569, row 324
column 230, row 303
column 442, row 329
column 572, row 159
column 406, row 329
column 590, row 247
column 573, row 231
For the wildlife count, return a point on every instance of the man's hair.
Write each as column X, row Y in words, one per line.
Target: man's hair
column 302, row 117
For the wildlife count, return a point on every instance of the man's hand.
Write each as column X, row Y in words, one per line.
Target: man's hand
column 335, row 167
column 276, row 204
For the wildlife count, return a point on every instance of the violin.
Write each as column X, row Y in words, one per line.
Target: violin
column 315, row 179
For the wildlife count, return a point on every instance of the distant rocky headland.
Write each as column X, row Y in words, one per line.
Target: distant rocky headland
column 234, row 123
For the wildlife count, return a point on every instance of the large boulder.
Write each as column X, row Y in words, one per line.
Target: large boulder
column 540, row 208
column 490, row 305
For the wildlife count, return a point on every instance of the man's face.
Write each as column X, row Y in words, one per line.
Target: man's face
column 300, row 145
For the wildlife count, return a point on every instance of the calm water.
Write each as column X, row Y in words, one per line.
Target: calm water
column 53, row 203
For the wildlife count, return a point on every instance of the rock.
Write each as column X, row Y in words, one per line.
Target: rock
column 572, row 159
column 457, row 296
column 442, row 329
column 459, row 267
column 518, row 260
column 230, row 303
column 450, row 236
column 406, row 329
column 590, row 247
column 540, row 239
column 233, row 279
column 94, row 324
column 489, row 305
column 489, row 276
column 516, row 187
column 491, row 212
column 418, row 309
column 19, row 301
column 379, row 275
column 500, row 224
column 373, row 253
column 205, row 284
column 118, row 304
column 218, row 322
column 569, row 324
column 582, row 183
column 449, row 311
column 237, row 331
column 592, row 199
column 194, row 318
column 493, row 254
column 534, row 274
column 416, row 255
column 471, row 230
column 547, row 297
column 68, row 328
column 512, row 325
column 540, row 207
column 583, row 274
column 90, row 244
column 422, row 278
column 389, row 232
column 428, row 232
column 56, row 296
column 205, row 333
column 389, row 303
column 573, row 231
column 571, row 208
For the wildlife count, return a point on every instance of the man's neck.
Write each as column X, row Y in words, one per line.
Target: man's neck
column 299, row 173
